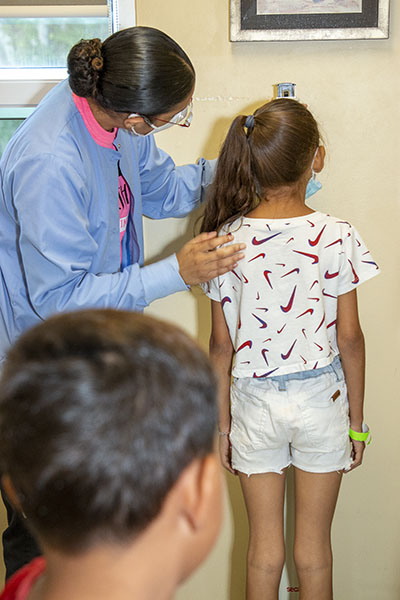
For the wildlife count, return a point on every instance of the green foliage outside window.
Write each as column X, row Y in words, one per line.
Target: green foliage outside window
column 7, row 128
column 45, row 42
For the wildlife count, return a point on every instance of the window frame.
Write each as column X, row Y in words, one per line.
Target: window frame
column 25, row 87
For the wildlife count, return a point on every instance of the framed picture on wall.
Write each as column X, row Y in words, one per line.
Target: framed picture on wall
column 291, row 20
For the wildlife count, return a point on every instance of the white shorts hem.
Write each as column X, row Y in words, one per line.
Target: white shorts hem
column 261, row 471
column 323, row 469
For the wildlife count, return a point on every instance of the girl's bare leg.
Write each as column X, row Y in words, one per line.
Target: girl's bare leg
column 264, row 498
column 316, row 495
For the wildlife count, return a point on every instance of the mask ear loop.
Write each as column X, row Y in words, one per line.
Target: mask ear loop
column 313, row 161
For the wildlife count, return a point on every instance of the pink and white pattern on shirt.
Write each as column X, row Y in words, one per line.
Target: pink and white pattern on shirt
column 280, row 303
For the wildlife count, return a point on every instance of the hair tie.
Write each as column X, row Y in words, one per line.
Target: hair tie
column 249, row 123
column 97, row 63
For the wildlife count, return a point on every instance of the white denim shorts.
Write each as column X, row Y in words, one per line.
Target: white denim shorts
column 299, row 419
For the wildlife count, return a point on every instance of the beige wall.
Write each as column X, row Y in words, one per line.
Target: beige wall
column 353, row 89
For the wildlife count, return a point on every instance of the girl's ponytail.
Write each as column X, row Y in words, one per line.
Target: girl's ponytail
column 262, row 152
column 234, row 189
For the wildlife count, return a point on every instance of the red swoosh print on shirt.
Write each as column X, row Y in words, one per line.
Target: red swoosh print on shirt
column 339, row 241
column 297, row 270
column 356, row 277
column 262, row 254
column 247, row 344
column 330, row 275
column 257, row 242
column 281, row 329
column 265, row 374
column 266, row 274
column 225, row 300
column 289, row 305
column 313, row 256
column 320, row 325
column 318, row 346
column 324, row 293
column 263, row 351
column 370, row 262
column 309, row 310
column 317, row 239
column 289, row 352
column 234, row 272
column 311, row 223
column 263, row 323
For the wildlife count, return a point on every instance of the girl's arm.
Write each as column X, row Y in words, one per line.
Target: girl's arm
column 350, row 341
column 221, row 354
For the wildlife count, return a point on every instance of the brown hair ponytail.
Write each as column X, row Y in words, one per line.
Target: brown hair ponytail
column 234, row 188
column 265, row 151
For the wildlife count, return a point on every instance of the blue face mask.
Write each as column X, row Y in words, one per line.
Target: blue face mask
column 313, row 185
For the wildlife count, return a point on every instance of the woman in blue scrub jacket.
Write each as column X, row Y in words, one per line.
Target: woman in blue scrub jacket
column 77, row 178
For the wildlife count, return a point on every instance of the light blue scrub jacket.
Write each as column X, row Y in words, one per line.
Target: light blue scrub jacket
column 59, row 221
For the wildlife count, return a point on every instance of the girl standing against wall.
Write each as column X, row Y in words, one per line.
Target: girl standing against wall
column 285, row 330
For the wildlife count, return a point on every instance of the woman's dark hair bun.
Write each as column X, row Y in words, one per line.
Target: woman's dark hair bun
column 85, row 63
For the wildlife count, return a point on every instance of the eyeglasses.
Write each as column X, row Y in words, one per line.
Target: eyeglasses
column 183, row 118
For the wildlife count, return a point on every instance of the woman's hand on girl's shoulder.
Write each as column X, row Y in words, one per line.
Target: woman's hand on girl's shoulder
column 225, row 452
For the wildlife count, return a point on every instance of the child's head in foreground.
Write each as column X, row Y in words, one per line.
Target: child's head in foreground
column 102, row 415
column 275, row 148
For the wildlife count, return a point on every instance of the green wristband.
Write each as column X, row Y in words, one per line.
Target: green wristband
column 361, row 436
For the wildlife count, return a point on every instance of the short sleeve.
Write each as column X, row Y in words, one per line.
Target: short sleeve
column 212, row 289
column 357, row 263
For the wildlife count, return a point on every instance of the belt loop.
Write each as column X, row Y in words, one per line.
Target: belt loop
column 282, row 384
column 337, row 368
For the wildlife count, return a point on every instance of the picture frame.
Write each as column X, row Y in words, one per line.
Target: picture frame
column 294, row 20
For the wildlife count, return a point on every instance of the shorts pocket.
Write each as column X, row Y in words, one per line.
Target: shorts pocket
column 251, row 425
column 325, row 416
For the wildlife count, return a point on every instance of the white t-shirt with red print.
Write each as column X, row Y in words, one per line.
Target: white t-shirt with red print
column 280, row 303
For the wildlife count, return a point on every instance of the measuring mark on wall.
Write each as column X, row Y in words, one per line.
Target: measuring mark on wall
column 221, row 98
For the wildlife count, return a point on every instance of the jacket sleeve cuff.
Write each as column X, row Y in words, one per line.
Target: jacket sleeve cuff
column 162, row 278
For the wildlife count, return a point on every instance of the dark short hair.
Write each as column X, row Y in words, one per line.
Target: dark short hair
column 139, row 69
column 100, row 412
